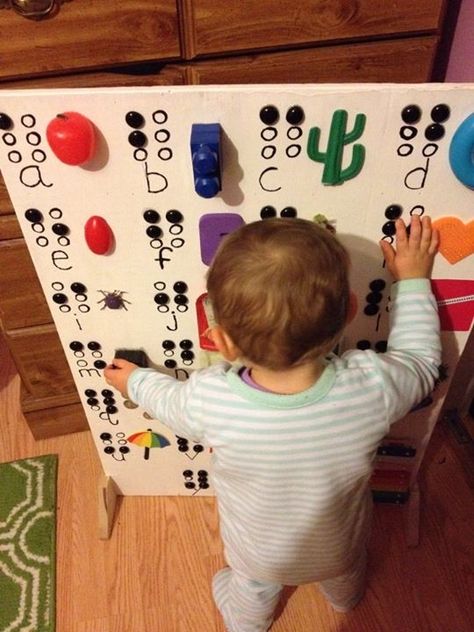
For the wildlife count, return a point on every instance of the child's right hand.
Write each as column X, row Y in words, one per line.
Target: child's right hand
column 413, row 255
column 117, row 374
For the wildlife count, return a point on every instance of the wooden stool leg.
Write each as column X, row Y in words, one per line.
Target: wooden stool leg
column 107, row 499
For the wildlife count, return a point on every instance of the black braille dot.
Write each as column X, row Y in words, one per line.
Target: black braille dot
column 389, row 228
column 109, row 449
column 170, row 364
column 33, row 215
column 183, row 447
column 180, row 287
column 440, row 113
column 187, row 355
column 288, row 211
column 106, row 392
column 174, row 217
column 374, row 297
column 190, row 485
column 202, row 473
column 109, row 401
column 161, row 298
column 78, row 288
column 168, row 345
column 59, row 298
column 295, row 115
column 434, row 132
column 181, row 299
column 5, row 121
column 93, row 345
column 137, row 139
column 100, row 364
column 90, row 392
column 381, row 346
column 181, row 440
column 186, row 344
column 134, row 119
column 75, row 345
column 111, row 410
column 204, row 485
column 393, row 211
column 377, row 285
column 411, row 114
column 124, row 450
column 188, row 473
column 371, row 310
column 60, row 229
column 269, row 115
column 106, row 436
column 267, row 212
column 363, row 345
column 151, row 216
column 154, row 232
column 92, row 401
column 198, row 448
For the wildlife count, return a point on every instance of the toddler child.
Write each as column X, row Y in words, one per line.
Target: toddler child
column 294, row 430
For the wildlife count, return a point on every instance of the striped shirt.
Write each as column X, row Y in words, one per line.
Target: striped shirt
column 291, row 472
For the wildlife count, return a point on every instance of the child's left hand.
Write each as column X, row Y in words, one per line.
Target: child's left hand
column 117, row 374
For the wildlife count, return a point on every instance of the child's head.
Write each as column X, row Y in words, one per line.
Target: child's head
column 279, row 288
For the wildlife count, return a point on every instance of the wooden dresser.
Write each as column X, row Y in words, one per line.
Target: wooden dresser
column 80, row 43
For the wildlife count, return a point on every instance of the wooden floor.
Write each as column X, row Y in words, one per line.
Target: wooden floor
column 154, row 574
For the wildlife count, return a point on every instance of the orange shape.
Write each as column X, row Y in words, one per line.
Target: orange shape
column 456, row 238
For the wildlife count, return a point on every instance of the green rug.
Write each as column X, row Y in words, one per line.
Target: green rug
column 28, row 545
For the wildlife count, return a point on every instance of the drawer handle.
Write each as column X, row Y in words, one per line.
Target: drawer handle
column 32, row 9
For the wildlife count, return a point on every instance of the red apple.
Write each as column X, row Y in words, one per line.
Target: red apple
column 71, row 136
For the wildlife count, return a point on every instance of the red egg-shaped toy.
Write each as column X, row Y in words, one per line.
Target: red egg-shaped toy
column 72, row 138
column 99, row 235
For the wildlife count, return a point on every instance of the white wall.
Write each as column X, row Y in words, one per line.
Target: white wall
column 461, row 60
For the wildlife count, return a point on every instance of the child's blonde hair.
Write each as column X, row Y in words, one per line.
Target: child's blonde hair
column 280, row 290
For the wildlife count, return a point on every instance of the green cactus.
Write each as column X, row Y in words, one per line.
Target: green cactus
column 332, row 157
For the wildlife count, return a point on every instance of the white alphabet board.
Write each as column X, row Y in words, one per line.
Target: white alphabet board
column 381, row 150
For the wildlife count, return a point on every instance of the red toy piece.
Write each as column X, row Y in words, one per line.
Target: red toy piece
column 99, row 235
column 455, row 298
column 205, row 320
column 71, row 137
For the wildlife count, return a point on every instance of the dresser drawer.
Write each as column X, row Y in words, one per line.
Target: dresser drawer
column 9, row 227
column 6, row 207
column 88, row 34
column 22, row 302
column 53, row 422
column 152, row 75
column 407, row 60
column 53, row 415
column 40, row 361
column 217, row 27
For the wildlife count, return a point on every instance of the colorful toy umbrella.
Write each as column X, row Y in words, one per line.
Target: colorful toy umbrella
column 148, row 439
